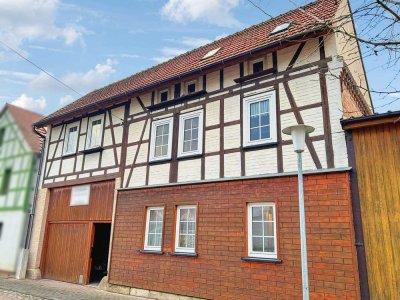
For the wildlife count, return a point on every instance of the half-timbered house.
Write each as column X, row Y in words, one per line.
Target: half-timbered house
column 187, row 165
column 19, row 160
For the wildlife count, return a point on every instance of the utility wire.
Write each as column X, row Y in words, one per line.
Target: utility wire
column 40, row 68
column 259, row 8
column 48, row 74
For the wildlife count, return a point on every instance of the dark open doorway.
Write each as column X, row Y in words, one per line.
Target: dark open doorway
column 101, row 244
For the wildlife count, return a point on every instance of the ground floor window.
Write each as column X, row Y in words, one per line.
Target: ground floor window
column 185, row 238
column 262, row 230
column 154, row 228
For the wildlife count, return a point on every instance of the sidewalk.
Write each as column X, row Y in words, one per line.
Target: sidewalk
column 13, row 289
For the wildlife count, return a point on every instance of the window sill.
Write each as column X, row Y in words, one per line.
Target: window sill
column 190, row 156
column 189, row 254
column 68, row 155
column 150, row 252
column 261, row 259
column 159, row 161
column 255, row 75
column 258, row 146
column 92, row 150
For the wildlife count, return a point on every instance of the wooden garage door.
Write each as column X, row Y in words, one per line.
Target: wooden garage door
column 67, row 253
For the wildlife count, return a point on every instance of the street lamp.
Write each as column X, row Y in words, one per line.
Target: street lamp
column 298, row 133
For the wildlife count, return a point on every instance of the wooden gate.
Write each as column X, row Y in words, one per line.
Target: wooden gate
column 67, row 252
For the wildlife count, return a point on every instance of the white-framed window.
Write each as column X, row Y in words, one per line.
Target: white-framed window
column 190, row 133
column 154, row 228
column 80, row 195
column 185, row 235
column 261, row 228
column 259, row 119
column 95, row 132
column 71, row 139
column 163, row 95
column 161, row 139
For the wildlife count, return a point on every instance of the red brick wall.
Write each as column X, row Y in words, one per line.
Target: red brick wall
column 218, row 271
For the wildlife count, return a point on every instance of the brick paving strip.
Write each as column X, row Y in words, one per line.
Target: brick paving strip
column 13, row 289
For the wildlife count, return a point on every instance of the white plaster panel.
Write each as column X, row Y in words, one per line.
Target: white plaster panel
column 55, row 168
column 59, row 179
column 107, row 138
column 135, row 131
column 290, row 159
column 82, row 142
column 319, row 147
column 213, row 81
column 232, row 165
column 68, row 165
column 231, row 73
column 232, row 108
column 118, row 131
column 189, row 170
column 142, row 156
column 84, row 175
column 107, row 159
column 55, row 133
column 212, row 113
column 306, row 90
column 130, row 154
column 91, row 161
column 191, row 109
column 314, row 117
column 261, row 162
column 79, row 161
column 284, row 57
column 97, row 173
column 72, row 177
column 138, row 177
column 309, row 54
column 118, row 114
column 232, row 136
column 113, row 170
column 159, row 174
column 211, row 167
column 84, row 125
column 212, row 140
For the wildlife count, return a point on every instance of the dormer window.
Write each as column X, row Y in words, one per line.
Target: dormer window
column 191, row 87
column 258, row 67
column 163, row 95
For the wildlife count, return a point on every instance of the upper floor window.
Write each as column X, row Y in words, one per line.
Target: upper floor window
column 191, row 87
column 258, row 66
column 259, row 119
column 185, row 238
column 163, row 95
column 5, row 185
column 191, row 133
column 71, row 139
column 95, row 133
column 2, row 136
column 161, row 139
column 154, row 228
column 262, row 241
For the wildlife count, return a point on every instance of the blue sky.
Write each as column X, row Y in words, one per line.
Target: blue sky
column 88, row 44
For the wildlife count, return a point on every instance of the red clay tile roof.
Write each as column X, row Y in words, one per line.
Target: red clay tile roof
column 242, row 42
column 25, row 119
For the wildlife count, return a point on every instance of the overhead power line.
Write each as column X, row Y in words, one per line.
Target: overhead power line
column 40, row 68
column 260, row 8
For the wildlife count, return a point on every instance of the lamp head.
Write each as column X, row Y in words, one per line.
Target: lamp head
column 298, row 133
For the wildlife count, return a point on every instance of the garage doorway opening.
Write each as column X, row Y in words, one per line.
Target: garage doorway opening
column 99, row 254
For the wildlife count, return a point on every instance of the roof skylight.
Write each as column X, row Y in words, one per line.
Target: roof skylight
column 211, row 53
column 281, row 28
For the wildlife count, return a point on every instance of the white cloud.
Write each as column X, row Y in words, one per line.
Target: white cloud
column 80, row 81
column 66, row 99
column 30, row 103
column 216, row 12
column 124, row 55
column 27, row 20
column 17, row 75
column 168, row 53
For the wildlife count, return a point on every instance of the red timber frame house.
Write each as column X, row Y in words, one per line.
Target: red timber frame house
column 177, row 180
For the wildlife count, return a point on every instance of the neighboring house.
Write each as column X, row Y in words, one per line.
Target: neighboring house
column 19, row 157
column 374, row 153
column 184, row 169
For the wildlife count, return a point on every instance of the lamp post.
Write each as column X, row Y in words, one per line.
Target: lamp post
column 298, row 133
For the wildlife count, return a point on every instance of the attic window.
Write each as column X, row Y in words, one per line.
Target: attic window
column 211, row 53
column 281, row 28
